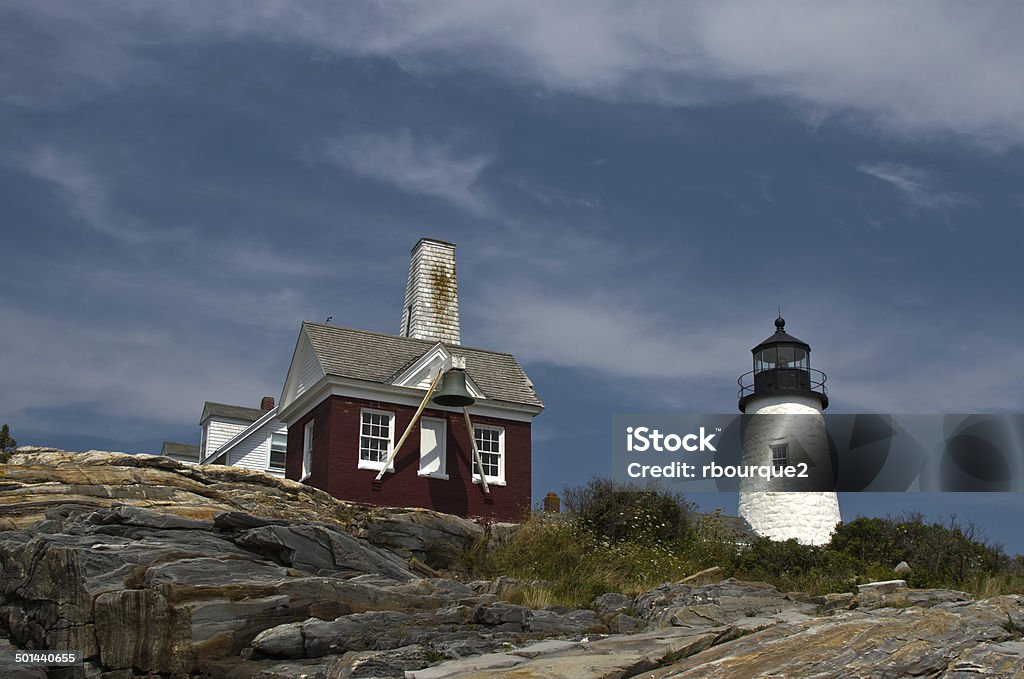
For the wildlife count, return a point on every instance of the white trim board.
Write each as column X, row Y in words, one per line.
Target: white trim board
column 405, row 396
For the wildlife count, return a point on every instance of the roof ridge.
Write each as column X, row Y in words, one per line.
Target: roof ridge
column 230, row 405
column 431, row 342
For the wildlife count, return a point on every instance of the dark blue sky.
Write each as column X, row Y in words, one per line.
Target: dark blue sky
column 633, row 189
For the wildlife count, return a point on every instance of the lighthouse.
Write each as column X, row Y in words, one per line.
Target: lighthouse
column 787, row 431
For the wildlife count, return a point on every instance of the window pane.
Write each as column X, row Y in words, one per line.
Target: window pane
column 768, row 358
column 800, row 358
column 279, row 442
column 488, row 442
column 780, row 455
column 786, row 357
column 375, row 437
column 277, row 459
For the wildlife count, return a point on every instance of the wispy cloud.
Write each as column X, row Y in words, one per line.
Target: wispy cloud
column 695, row 358
column 87, row 195
column 417, row 165
column 126, row 370
column 917, row 186
column 870, row 62
column 610, row 335
column 549, row 196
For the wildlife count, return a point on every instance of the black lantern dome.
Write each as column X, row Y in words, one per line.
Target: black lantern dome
column 782, row 366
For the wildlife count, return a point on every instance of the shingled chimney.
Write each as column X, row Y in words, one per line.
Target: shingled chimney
column 432, row 296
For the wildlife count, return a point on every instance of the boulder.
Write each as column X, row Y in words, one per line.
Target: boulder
column 612, row 604
column 435, row 539
column 322, row 550
column 715, row 604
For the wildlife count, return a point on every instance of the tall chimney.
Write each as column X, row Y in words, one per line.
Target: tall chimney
column 432, row 296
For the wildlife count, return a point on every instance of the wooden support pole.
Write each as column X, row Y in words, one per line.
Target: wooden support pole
column 476, row 451
column 412, row 423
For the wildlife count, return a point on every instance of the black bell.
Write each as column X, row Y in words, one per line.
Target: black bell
column 453, row 391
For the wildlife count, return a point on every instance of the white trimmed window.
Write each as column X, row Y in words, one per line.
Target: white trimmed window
column 307, row 450
column 376, row 438
column 490, row 441
column 780, row 455
column 278, row 451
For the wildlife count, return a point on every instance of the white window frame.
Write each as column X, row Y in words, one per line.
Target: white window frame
column 307, row 450
column 442, row 472
column 371, row 464
column 498, row 480
column 270, row 453
column 780, row 450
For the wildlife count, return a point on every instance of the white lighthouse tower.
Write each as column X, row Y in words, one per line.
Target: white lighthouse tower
column 784, row 387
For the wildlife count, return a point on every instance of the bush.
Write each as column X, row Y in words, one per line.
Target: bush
column 558, row 560
column 790, row 565
column 625, row 538
column 939, row 555
column 627, row 512
column 7, row 444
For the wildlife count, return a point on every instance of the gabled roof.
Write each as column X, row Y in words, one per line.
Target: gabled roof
column 376, row 357
column 230, row 412
column 180, row 450
column 266, row 416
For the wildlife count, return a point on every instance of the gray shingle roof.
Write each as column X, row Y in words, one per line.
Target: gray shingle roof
column 180, row 451
column 364, row 355
column 211, row 409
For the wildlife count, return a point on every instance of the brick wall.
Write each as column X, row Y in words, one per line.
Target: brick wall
column 336, row 454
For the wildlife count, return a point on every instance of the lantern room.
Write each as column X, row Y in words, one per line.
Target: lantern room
column 782, row 366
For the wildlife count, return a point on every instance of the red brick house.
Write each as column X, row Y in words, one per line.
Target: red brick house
column 351, row 394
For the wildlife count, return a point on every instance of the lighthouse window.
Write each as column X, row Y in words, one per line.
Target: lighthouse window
column 781, row 357
column 780, row 455
column 766, row 359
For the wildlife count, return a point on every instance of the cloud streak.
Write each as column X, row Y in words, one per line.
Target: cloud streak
column 125, row 370
column 916, row 185
column 696, row 364
column 415, row 165
column 871, row 62
column 87, row 196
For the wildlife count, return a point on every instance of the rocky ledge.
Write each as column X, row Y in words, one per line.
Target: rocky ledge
column 153, row 568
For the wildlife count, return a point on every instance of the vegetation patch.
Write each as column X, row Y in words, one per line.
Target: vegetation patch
column 7, row 444
column 626, row 538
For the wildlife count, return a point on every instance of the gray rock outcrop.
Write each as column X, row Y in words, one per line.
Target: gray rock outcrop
column 153, row 568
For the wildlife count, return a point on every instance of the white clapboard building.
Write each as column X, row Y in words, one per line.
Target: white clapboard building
column 252, row 438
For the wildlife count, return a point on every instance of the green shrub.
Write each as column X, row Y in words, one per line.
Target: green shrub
column 7, row 444
column 790, row 565
column 627, row 512
column 939, row 555
column 558, row 560
column 625, row 538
